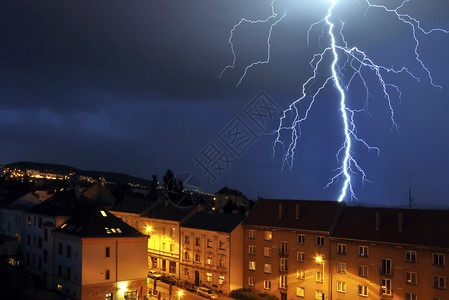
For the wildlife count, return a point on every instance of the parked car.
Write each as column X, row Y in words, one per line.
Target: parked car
column 154, row 274
column 206, row 292
column 168, row 279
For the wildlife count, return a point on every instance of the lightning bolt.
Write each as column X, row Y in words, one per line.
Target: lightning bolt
column 347, row 64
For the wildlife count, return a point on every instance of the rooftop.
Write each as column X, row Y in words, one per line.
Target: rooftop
column 214, row 221
column 296, row 214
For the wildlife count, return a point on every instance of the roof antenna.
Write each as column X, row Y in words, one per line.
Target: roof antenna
column 410, row 199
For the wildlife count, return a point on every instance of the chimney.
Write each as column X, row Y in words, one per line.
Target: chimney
column 377, row 221
column 400, row 220
column 297, row 212
column 280, row 210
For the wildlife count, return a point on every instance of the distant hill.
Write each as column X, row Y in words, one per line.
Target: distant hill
column 63, row 169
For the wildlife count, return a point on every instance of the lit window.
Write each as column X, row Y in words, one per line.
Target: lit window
column 119, row 230
column 209, row 243
column 108, row 230
column 267, row 268
column 108, row 296
column 268, row 235
column 113, row 230
column 386, row 287
column 363, row 251
column 363, row 271
column 320, row 241
column 103, row 213
column 341, row 267
column 267, row 284
column 209, row 277
column 410, row 277
column 301, row 239
column 252, row 249
column 252, row 265
column 341, row 286
column 300, row 274
column 251, row 233
column 300, row 256
column 341, row 249
column 267, row 251
column 300, row 292
column 363, row 290
column 438, row 259
column 251, row 281
column 209, row 259
column 318, row 295
column 221, row 279
column 439, row 282
column 410, row 256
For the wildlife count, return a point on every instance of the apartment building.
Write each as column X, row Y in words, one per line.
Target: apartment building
column 38, row 246
column 98, row 256
column 161, row 223
column 287, row 247
column 382, row 253
column 211, row 250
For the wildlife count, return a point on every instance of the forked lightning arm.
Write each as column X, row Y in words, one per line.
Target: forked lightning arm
column 343, row 59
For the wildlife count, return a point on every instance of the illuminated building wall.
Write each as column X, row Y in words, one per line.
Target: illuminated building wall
column 282, row 242
column 99, row 256
column 161, row 222
column 208, row 242
column 390, row 253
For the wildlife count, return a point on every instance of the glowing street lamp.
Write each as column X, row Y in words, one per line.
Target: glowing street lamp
column 180, row 293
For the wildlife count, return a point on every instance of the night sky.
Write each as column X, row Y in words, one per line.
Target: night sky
column 133, row 87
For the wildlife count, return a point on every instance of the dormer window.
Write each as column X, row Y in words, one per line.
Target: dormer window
column 103, row 213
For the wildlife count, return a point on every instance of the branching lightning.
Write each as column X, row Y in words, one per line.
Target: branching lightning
column 347, row 64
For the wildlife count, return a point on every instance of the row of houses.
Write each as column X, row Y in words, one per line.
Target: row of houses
column 292, row 249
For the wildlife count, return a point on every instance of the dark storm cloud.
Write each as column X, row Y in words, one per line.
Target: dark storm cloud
column 133, row 86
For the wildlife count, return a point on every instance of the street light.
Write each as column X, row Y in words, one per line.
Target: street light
column 320, row 260
column 180, row 293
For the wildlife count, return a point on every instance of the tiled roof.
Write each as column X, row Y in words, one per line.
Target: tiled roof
column 214, row 221
column 402, row 226
column 133, row 205
column 165, row 210
column 96, row 223
column 312, row 215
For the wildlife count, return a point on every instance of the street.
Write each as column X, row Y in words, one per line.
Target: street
column 186, row 295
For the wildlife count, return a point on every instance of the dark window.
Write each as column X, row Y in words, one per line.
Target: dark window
column 108, row 275
column 59, row 270
column 39, row 242
column 45, row 234
column 59, row 248
column 45, row 256
column 108, row 252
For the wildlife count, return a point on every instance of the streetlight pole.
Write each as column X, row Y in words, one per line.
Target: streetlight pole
column 320, row 260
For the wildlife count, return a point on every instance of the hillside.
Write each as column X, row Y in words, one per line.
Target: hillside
column 63, row 169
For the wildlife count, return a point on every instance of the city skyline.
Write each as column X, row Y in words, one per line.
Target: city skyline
column 134, row 88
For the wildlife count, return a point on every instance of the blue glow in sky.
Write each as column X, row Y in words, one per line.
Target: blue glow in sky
column 133, row 87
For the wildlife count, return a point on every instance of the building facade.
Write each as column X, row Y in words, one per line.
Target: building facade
column 208, row 242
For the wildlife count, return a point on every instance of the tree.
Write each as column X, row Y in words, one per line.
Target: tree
column 169, row 180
